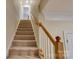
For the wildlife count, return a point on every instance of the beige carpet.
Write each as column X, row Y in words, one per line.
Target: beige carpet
column 24, row 44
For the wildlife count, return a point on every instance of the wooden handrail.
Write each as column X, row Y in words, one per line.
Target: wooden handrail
column 59, row 50
column 48, row 34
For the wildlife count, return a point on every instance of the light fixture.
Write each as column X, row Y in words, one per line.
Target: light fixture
column 27, row 1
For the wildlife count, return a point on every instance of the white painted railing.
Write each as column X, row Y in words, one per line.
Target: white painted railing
column 43, row 41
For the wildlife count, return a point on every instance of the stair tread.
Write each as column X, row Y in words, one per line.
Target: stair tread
column 24, row 51
column 22, row 57
column 25, row 29
column 30, row 43
column 24, row 32
column 24, row 26
column 24, row 37
column 24, row 48
column 25, row 21
column 24, row 41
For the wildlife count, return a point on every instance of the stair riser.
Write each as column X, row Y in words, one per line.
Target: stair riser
column 24, row 26
column 24, row 29
column 23, row 37
column 28, row 44
column 24, row 33
column 24, row 52
column 25, row 22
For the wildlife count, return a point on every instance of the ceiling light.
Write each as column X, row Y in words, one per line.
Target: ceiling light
column 27, row 1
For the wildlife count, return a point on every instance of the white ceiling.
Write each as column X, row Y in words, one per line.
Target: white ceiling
column 59, row 10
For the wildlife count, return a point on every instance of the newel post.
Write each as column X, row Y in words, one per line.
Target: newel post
column 59, row 49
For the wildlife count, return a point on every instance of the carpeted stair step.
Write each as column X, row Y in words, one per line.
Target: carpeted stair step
column 28, row 43
column 24, row 37
column 24, row 26
column 24, row 33
column 25, row 29
column 22, row 57
column 24, row 51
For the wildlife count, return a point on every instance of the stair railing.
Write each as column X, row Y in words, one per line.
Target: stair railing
column 47, row 33
column 58, row 45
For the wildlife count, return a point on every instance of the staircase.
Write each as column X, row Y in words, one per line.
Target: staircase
column 24, row 43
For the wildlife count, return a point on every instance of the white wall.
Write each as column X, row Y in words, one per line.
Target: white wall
column 11, row 23
column 35, row 29
column 59, row 25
